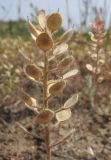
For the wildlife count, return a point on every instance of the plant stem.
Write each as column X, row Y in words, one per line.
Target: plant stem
column 47, row 132
column 45, row 80
column 47, row 141
column 95, row 83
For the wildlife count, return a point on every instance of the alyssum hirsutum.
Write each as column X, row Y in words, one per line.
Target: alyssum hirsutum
column 43, row 36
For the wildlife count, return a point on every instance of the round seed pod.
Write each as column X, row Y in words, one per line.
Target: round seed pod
column 44, row 42
column 27, row 99
column 71, row 101
column 63, row 115
column 56, row 87
column 45, row 116
column 70, row 74
column 65, row 62
column 33, row 72
column 54, row 21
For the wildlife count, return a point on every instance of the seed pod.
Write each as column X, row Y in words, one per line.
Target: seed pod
column 66, row 36
column 63, row 115
column 33, row 39
column 33, row 72
column 54, row 21
column 55, row 88
column 97, row 70
column 101, row 62
column 41, row 19
column 100, row 79
column 93, row 38
column 51, row 82
column 40, row 64
column 89, row 67
column 29, row 101
column 33, row 30
column 94, row 57
column 71, row 101
column 45, row 116
column 65, row 62
column 44, row 42
column 60, row 49
column 70, row 74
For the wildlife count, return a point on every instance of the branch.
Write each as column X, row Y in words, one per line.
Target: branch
column 26, row 131
column 62, row 140
column 61, row 109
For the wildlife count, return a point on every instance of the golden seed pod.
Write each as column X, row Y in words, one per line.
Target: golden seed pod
column 97, row 70
column 101, row 62
column 35, row 32
column 63, row 115
column 71, row 101
column 55, row 88
column 40, row 64
column 66, row 36
column 70, row 74
column 45, row 116
column 89, row 67
column 33, row 39
column 100, row 79
column 29, row 101
column 54, row 21
column 33, row 72
column 65, row 62
column 60, row 49
column 41, row 18
column 92, row 36
column 94, row 57
column 44, row 42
